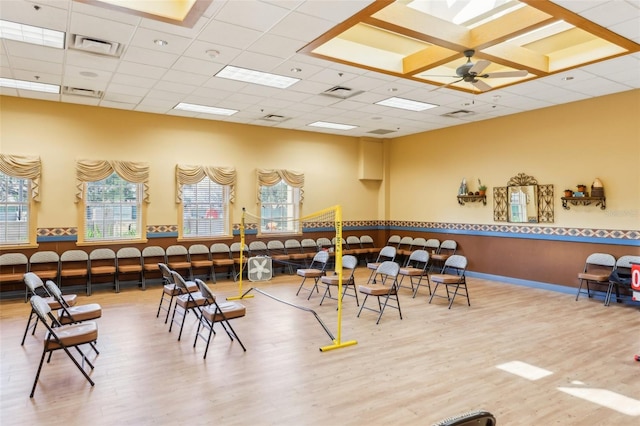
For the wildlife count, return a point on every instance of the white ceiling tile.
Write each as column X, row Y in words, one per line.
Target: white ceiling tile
column 42, row 77
column 303, row 27
column 27, row 50
column 335, row 11
column 274, row 45
column 106, row 12
column 178, row 88
column 50, row 15
column 204, row 50
column 146, row 38
column 132, row 80
column 256, row 15
column 149, row 57
column 39, row 95
column 127, row 90
column 117, row 105
column 82, row 100
column 141, row 70
column 197, row 66
column 88, row 60
column 35, row 65
column 611, row 13
column 187, row 78
column 179, row 30
column 229, row 35
column 119, row 97
column 256, row 61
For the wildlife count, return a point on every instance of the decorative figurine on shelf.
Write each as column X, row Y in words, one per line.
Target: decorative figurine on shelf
column 597, row 189
column 463, row 187
column 482, row 189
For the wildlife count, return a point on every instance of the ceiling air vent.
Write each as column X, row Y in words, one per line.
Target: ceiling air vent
column 341, row 92
column 96, row 46
column 458, row 113
column 87, row 93
column 381, row 131
column 275, row 118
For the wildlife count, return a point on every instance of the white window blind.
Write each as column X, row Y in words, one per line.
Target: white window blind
column 205, row 209
column 112, row 209
column 280, row 208
column 14, row 209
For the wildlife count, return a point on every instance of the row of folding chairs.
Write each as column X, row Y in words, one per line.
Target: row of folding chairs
column 69, row 326
column 183, row 297
column 604, row 270
column 386, row 279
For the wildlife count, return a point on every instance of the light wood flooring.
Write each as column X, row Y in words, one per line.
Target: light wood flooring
column 432, row 364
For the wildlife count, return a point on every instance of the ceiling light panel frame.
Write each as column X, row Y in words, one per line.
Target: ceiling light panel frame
column 436, row 44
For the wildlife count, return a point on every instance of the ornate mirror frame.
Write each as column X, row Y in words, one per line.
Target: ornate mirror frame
column 501, row 199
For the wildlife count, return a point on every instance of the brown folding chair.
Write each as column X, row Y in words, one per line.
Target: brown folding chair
column 349, row 264
column 387, row 270
column 416, row 268
column 597, row 269
column 452, row 275
column 314, row 271
column 72, row 314
column 63, row 337
column 213, row 312
column 170, row 290
column 36, row 287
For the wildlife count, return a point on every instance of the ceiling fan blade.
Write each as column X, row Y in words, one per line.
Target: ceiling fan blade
column 479, row 66
column 481, row 85
column 520, row 73
column 446, row 85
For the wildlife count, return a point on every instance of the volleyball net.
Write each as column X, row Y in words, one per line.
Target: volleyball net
column 326, row 220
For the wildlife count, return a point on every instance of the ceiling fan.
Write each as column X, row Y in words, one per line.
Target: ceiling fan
column 471, row 73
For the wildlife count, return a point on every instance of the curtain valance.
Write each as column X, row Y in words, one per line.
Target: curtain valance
column 267, row 177
column 23, row 167
column 95, row 170
column 189, row 175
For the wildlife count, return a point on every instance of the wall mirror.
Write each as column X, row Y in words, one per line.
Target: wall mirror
column 523, row 200
column 523, row 203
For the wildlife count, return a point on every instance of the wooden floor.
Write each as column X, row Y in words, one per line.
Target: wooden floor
column 432, row 364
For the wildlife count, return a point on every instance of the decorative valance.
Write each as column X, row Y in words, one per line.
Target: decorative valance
column 95, row 170
column 23, row 167
column 272, row 177
column 189, row 175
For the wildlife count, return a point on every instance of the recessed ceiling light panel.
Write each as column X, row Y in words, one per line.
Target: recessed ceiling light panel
column 407, row 104
column 256, row 77
column 29, row 85
column 205, row 109
column 33, row 35
column 328, row 125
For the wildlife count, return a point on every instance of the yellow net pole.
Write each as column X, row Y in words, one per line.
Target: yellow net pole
column 242, row 262
column 338, row 343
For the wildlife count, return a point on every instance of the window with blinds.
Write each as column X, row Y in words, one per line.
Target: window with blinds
column 205, row 209
column 14, row 210
column 280, row 209
column 112, row 208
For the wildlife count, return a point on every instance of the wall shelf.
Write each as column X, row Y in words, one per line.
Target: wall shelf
column 472, row 199
column 584, row 201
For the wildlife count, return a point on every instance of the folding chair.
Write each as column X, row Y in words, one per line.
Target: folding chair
column 12, row 267
column 221, row 257
column 366, row 242
column 36, row 287
column 597, row 269
column 387, row 253
column 200, row 258
column 416, row 268
column 74, row 264
column 473, row 418
column 178, row 259
column 452, row 275
column 235, row 255
column 349, row 264
column 621, row 276
column 278, row 254
column 387, row 270
column 46, row 264
column 315, row 271
column 130, row 262
column 447, row 248
column 310, row 248
column 72, row 314
column 102, row 262
column 186, row 301
column 297, row 257
column 63, row 337
column 151, row 257
column 213, row 312
column 170, row 290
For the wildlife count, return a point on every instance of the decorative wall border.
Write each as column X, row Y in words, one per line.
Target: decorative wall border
column 589, row 235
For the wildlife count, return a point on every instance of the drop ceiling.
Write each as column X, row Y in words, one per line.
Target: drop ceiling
column 156, row 65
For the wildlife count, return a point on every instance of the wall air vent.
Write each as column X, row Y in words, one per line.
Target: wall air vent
column 87, row 93
column 274, row 118
column 459, row 113
column 341, row 92
column 381, row 131
column 95, row 46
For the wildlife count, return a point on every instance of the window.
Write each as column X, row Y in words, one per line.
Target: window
column 14, row 209
column 112, row 210
column 280, row 208
column 205, row 209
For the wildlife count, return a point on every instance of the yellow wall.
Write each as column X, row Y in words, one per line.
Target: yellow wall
column 564, row 146
column 61, row 133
